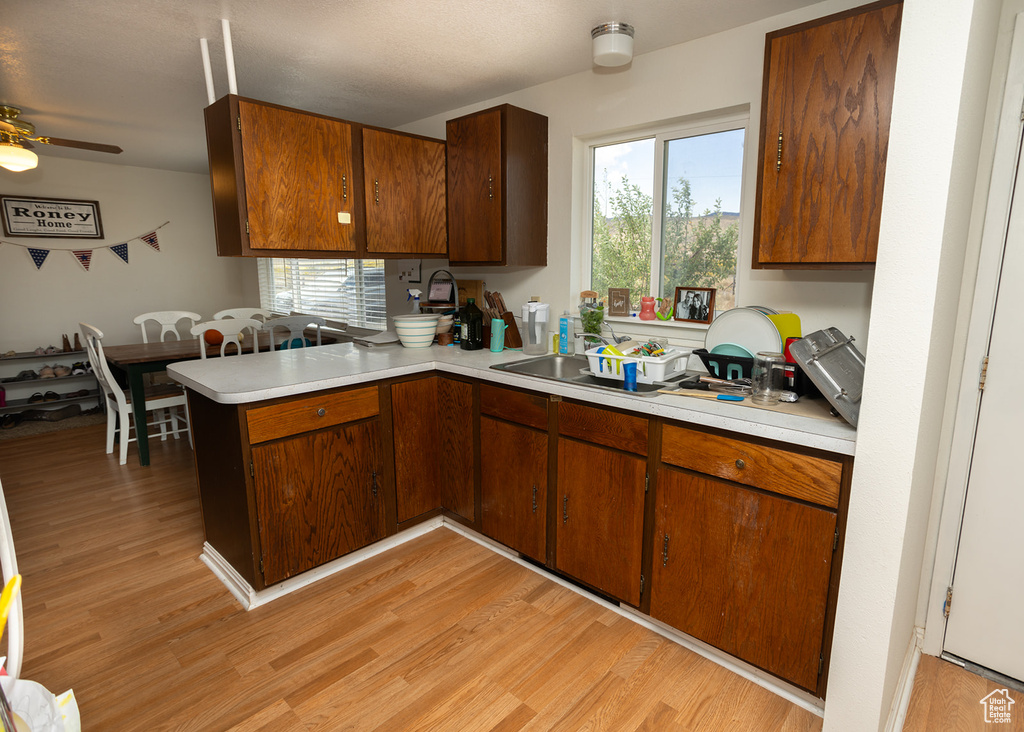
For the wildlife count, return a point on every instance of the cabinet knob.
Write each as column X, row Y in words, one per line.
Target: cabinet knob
column 321, row 412
column 740, row 464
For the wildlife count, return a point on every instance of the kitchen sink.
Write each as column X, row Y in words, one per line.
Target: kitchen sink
column 574, row 370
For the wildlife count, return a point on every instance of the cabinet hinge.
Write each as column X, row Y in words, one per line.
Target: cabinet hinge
column 261, row 565
column 247, row 227
column 554, row 397
column 835, row 542
column 252, row 470
column 949, row 601
column 984, row 373
column 821, row 663
column 239, row 123
column 647, row 482
column 641, row 584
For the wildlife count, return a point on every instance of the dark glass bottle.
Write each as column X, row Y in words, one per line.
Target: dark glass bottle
column 472, row 327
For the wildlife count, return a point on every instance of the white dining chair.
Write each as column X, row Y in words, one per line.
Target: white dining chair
column 295, row 325
column 15, row 616
column 232, row 331
column 250, row 313
column 162, row 399
column 167, row 320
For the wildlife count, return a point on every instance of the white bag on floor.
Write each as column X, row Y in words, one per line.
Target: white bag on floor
column 37, row 706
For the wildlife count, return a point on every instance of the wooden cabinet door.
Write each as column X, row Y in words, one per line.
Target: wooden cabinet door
column 475, row 181
column 405, row 194
column 514, row 486
column 600, row 530
column 825, row 133
column 454, row 448
column 414, row 408
column 298, row 178
column 318, row 496
column 745, row 571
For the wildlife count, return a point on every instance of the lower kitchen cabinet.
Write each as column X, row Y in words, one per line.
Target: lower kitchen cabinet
column 318, row 496
column 743, row 570
column 432, row 421
column 599, row 535
column 514, row 486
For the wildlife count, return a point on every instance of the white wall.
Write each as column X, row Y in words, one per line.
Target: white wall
column 40, row 306
column 946, row 49
column 713, row 73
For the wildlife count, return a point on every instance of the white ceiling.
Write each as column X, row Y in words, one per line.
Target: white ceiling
column 130, row 73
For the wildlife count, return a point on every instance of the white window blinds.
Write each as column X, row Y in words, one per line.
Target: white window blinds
column 351, row 290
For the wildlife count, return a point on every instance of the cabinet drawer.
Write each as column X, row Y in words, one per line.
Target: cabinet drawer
column 530, row 410
column 603, row 426
column 780, row 471
column 312, row 413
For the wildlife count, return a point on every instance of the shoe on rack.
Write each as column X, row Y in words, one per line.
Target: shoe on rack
column 26, row 375
column 51, row 396
column 78, row 368
column 67, row 344
column 77, row 394
column 10, row 421
column 60, row 370
column 78, row 343
column 9, row 354
column 39, row 351
column 46, row 372
column 36, row 398
column 50, row 350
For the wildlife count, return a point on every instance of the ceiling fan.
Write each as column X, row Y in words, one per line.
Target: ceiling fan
column 15, row 145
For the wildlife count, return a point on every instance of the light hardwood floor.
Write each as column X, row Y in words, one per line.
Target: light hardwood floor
column 439, row 633
column 946, row 697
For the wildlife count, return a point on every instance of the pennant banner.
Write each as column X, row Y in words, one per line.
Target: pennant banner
column 121, row 250
column 38, row 256
column 84, row 257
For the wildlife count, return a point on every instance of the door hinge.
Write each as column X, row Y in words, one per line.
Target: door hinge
column 984, row 373
column 252, row 470
column 949, row 601
column 835, row 542
column 641, row 584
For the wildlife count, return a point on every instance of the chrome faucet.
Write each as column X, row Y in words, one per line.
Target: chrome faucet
column 604, row 339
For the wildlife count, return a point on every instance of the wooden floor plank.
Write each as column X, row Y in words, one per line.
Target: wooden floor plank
column 438, row 633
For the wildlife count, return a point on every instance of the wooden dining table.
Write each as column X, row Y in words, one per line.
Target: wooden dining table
column 137, row 359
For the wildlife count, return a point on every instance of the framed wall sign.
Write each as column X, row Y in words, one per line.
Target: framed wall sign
column 695, row 304
column 51, row 217
column 618, row 301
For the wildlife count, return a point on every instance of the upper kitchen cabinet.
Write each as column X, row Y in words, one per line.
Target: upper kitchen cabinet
column 498, row 188
column 405, row 198
column 281, row 179
column 827, row 100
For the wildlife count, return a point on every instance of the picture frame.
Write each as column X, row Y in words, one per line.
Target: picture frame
column 618, row 302
column 694, row 305
column 63, row 218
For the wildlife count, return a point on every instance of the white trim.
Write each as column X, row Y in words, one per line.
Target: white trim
column 799, row 697
column 905, row 686
column 997, row 212
column 250, row 598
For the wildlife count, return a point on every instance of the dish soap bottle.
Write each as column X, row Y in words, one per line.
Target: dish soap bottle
column 566, row 334
column 472, row 327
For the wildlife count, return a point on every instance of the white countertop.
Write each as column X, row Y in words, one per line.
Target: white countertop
column 255, row 377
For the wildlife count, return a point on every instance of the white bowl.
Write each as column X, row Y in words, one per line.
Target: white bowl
column 416, row 330
column 445, row 323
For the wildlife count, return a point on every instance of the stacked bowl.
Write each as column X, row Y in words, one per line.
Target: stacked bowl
column 416, row 330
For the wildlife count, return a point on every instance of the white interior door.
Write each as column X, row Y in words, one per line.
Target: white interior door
column 985, row 620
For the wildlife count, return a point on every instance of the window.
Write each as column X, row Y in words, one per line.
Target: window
column 693, row 178
column 351, row 290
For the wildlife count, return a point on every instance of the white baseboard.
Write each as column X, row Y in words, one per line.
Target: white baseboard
column 905, row 686
column 250, row 598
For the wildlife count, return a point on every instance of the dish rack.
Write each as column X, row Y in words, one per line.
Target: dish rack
column 649, row 369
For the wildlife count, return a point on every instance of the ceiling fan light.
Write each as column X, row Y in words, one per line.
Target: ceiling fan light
column 613, row 44
column 16, row 158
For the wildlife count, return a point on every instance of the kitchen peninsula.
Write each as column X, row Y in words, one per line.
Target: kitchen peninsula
column 720, row 520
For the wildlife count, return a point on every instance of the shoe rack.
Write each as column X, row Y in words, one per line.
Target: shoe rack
column 18, row 393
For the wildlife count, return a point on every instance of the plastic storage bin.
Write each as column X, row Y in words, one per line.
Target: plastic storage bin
column 648, row 368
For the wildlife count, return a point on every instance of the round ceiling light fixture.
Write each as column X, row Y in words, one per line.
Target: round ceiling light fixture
column 613, row 44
